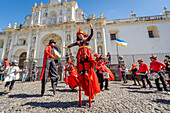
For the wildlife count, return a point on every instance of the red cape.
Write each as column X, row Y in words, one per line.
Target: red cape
column 47, row 54
column 110, row 73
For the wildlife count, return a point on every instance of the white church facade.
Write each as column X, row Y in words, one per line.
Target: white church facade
column 60, row 20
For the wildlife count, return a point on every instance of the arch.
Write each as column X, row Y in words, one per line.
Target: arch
column 153, row 32
column 22, row 58
column 100, row 49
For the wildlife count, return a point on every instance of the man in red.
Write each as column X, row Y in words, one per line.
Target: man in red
column 143, row 69
column 156, row 66
column 49, row 67
column 7, row 63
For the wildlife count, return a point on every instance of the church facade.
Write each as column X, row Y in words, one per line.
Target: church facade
column 60, row 20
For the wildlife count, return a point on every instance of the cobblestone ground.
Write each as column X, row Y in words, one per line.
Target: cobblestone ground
column 121, row 98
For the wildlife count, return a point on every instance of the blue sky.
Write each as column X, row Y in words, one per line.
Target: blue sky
column 12, row 11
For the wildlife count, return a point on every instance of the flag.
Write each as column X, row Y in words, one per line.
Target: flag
column 57, row 53
column 121, row 42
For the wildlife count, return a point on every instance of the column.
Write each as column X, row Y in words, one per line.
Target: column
column 29, row 45
column 63, row 42
column 11, row 46
column 32, row 21
column 104, row 42
column 39, row 17
column 72, row 36
column 95, row 40
column 36, row 44
column 64, row 13
column 4, row 48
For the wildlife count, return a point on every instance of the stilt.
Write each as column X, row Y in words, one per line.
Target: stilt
column 79, row 95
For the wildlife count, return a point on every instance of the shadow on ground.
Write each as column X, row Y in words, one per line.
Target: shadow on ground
column 144, row 92
column 26, row 96
column 64, row 90
column 56, row 104
column 130, row 87
column 162, row 101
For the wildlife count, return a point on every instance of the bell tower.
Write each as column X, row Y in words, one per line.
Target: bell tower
column 54, row 1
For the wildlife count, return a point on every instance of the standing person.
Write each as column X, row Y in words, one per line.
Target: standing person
column 143, row 69
column 101, row 73
column 49, row 68
column 34, row 72
column 109, row 56
column 167, row 68
column 157, row 67
column 71, row 57
column 134, row 74
column 72, row 75
column 7, row 63
column 12, row 75
column 85, row 64
column 2, row 74
column 67, row 57
column 25, row 73
column 124, row 72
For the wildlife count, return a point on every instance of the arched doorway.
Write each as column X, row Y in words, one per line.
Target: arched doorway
column 22, row 58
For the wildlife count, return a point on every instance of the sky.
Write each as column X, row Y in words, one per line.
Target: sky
column 12, row 11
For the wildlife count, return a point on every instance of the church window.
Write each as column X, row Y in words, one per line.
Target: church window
column 98, row 34
column 69, row 10
column 60, row 20
column 113, row 36
column 61, row 12
column 153, row 32
column 68, row 37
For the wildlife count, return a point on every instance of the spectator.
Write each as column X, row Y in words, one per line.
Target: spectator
column 34, row 72
column 109, row 56
column 71, row 57
column 124, row 71
column 2, row 74
column 25, row 73
column 67, row 57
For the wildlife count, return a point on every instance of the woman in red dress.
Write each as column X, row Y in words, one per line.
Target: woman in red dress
column 73, row 81
column 85, row 64
column 105, row 68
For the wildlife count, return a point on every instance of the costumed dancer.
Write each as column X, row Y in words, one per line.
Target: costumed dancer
column 66, row 76
column 85, row 64
column 12, row 74
column 134, row 74
column 157, row 67
column 144, row 71
column 167, row 68
column 106, row 69
column 101, row 73
column 72, row 75
column 6, row 64
column 49, row 68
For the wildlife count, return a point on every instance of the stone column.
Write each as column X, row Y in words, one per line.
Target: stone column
column 29, row 45
column 39, row 17
column 63, row 43
column 36, row 44
column 4, row 48
column 32, row 20
column 72, row 36
column 95, row 40
column 11, row 46
column 104, row 42
column 64, row 13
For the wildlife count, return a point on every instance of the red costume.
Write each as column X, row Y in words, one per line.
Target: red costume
column 157, row 66
column 106, row 68
column 7, row 63
column 72, row 80
column 85, row 64
column 47, row 54
column 143, row 68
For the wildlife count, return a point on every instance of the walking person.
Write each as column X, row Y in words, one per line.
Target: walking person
column 157, row 67
column 49, row 68
column 34, row 72
column 12, row 75
column 109, row 56
column 25, row 73
column 144, row 71
column 124, row 71
column 134, row 74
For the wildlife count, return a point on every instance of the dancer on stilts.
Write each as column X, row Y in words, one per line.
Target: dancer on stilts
column 105, row 68
column 85, row 64
column 72, row 75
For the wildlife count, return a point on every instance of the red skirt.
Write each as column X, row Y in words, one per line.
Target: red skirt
column 73, row 81
column 110, row 73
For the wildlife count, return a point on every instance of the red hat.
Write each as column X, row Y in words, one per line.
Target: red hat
column 70, row 62
column 140, row 60
column 5, row 59
column 154, row 57
column 80, row 32
column 96, row 54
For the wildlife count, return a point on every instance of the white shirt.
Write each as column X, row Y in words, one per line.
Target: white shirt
column 12, row 73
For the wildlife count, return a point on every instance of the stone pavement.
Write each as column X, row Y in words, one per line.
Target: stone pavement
column 121, row 98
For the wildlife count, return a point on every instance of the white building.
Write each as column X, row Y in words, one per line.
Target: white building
column 60, row 21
